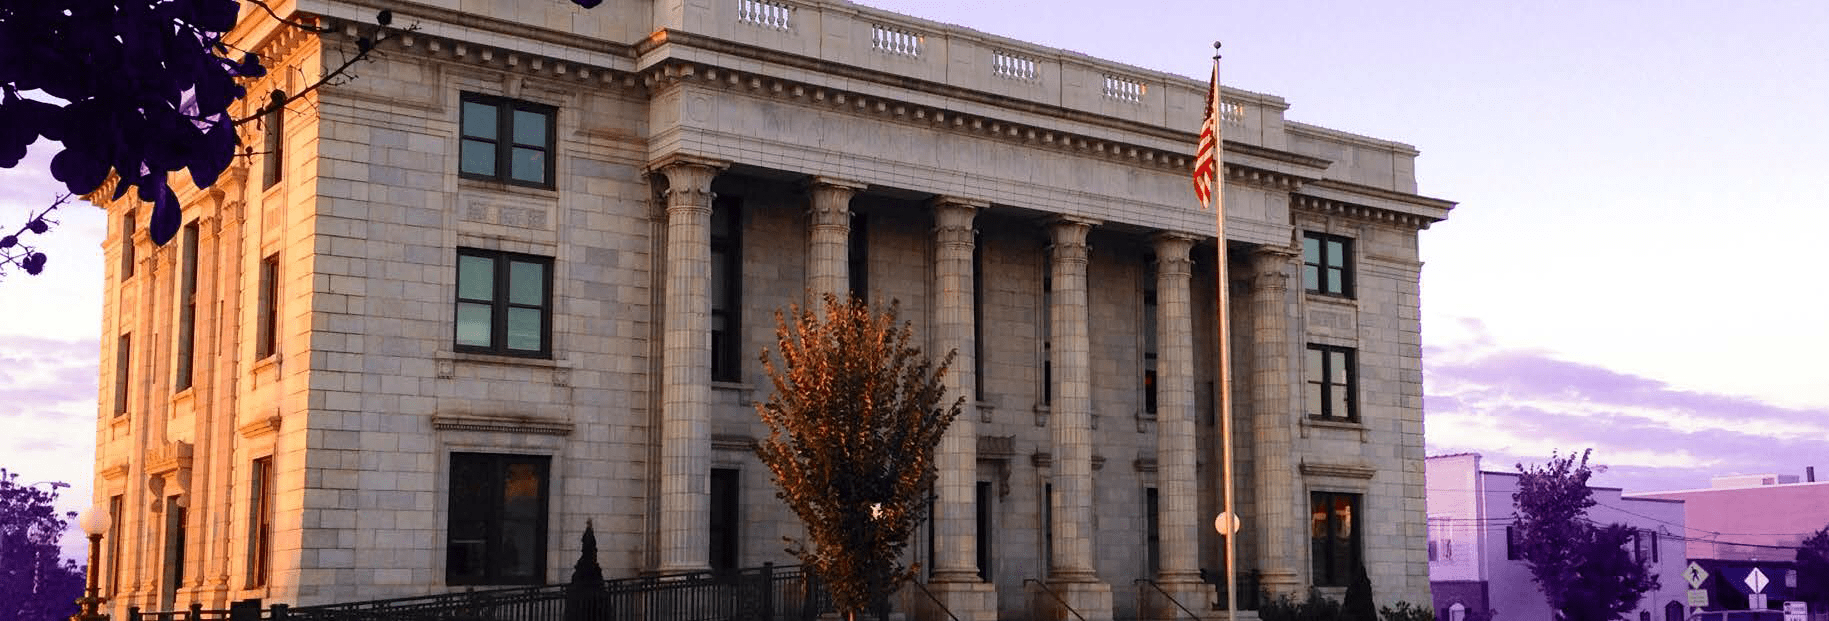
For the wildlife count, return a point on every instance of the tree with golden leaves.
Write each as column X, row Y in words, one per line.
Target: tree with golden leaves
column 853, row 421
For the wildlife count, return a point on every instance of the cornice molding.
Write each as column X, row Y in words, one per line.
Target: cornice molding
column 260, row 426
column 502, row 424
column 1327, row 206
column 1340, row 471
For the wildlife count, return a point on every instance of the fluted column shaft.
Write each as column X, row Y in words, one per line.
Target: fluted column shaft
column 1271, row 442
column 956, row 529
column 828, row 248
column 686, row 370
column 1072, row 408
column 1175, row 473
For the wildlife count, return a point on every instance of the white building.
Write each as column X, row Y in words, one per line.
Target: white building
column 1473, row 566
column 515, row 275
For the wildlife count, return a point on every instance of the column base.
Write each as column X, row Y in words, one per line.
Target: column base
column 1279, row 583
column 1092, row 600
column 967, row 600
column 1194, row 596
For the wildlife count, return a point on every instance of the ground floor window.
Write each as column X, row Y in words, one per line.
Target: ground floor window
column 497, row 530
column 1334, row 535
column 725, row 518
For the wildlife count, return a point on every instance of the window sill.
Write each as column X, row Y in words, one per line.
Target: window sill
column 446, row 364
column 493, row 185
column 185, row 396
column 1342, row 425
column 736, row 386
column 1332, row 300
column 263, row 364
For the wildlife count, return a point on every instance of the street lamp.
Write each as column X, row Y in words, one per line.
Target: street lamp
column 94, row 521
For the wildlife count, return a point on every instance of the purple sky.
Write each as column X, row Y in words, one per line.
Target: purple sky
column 1632, row 267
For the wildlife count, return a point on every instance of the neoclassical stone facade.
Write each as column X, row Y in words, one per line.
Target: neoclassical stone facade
column 517, row 275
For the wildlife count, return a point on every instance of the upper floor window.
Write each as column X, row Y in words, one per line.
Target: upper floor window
column 128, row 227
column 497, row 529
column 123, row 365
column 266, row 337
column 857, row 257
column 726, row 290
column 507, row 140
column 504, row 303
column 273, row 137
column 1327, row 264
column 1149, row 334
column 1329, row 372
column 187, row 309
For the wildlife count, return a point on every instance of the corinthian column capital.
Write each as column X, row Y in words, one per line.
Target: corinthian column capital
column 953, row 218
column 1067, row 237
column 1270, row 267
column 1171, row 251
column 688, row 180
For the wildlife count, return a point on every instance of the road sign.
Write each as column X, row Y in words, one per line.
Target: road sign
column 1698, row 598
column 1695, row 575
column 1755, row 601
column 1797, row 611
column 1756, row 580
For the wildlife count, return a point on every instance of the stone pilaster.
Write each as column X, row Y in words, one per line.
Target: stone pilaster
column 1271, row 442
column 685, row 462
column 828, row 240
column 1179, row 573
column 955, row 580
column 1072, row 574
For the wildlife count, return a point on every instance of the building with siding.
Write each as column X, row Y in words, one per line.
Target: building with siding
column 1742, row 523
column 516, row 275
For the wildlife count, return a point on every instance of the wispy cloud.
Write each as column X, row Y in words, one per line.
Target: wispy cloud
column 47, row 409
column 1519, row 405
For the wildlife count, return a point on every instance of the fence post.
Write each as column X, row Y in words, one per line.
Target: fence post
column 768, row 591
column 245, row 610
column 196, row 611
column 133, row 613
column 279, row 612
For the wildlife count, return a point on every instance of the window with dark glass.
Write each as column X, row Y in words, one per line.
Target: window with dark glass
column 123, row 366
column 175, row 524
column 187, row 309
column 497, row 530
column 273, row 138
column 115, row 507
column 725, row 518
column 1334, row 537
column 266, row 337
column 1152, row 533
column 726, row 289
column 1327, row 264
column 260, row 520
column 1149, row 334
column 504, row 303
column 128, row 227
column 982, row 508
column 507, row 140
column 1513, row 549
column 1330, row 375
column 1047, row 325
column 857, row 257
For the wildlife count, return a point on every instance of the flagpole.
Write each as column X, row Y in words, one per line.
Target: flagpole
column 1225, row 336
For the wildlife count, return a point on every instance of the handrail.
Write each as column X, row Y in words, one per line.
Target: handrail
column 937, row 602
column 1056, row 596
column 1165, row 594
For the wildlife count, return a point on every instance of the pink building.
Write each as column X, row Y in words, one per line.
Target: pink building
column 1746, row 523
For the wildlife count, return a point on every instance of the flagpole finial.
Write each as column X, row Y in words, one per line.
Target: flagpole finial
column 1215, row 49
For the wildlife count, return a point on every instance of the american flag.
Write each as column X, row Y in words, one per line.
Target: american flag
column 1206, row 152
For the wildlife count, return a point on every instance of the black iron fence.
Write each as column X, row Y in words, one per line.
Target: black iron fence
column 764, row 593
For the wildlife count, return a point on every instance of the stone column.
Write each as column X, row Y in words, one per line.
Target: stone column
column 685, row 461
column 1072, row 574
column 1271, row 443
column 1175, row 453
column 955, row 580
column 828, row 248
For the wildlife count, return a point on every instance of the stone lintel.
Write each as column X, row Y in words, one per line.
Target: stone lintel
column 504, row 423
column 1343, row 471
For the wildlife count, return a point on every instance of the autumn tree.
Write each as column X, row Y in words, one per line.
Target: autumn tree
column 1813, row 569
column 1583, row 568
column 853, row 420
column 36, row 582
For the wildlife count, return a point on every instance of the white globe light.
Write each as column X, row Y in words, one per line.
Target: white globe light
column 1225, row 526
column 94, row 520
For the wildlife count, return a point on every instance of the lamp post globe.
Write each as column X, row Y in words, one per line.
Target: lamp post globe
column 94, row 521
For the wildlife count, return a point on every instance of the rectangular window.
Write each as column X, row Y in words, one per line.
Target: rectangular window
column 266, row 338
column 1152, row 532
column 1047, row 513
column 1334, row 537
column 857, row 257
column 1327, row 264
column 726, row 289
column 506, row 140
column 128, row 227
column 504, row 303
column 984, row 528
column 174, row 546
column 187, row 309
column 115, row 507
column 1047, row 317
column 497, row 530
column 977, row 317
column 1149, row 335
column 123, row 366
column 260, row 520
column 1514, row 550
column 1332, row 391
column 725, row 518
column 1644, row 546
column 273, row 138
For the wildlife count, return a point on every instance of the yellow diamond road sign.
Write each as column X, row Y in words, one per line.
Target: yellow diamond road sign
column 1695, row 575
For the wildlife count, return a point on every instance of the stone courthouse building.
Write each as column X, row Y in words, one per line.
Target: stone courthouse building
column 516, row 275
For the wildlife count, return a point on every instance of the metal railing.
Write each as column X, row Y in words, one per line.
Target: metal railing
column 935, row 600
column 1248, row 588
column 1165, row 595
column 765, row 593
column 1056, row 596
